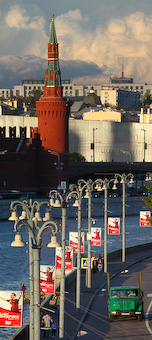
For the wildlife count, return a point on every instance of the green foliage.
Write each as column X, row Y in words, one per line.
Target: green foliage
column 34, row 97
column 146, row 99
column 11, row 112
column 76, row 157
column 148, row 199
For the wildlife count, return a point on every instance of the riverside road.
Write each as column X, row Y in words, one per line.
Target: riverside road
column 92, row 319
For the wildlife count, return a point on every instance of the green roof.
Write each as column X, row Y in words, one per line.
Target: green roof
column 53, row 38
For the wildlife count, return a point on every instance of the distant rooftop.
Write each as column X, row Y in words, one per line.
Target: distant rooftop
column 122, row 79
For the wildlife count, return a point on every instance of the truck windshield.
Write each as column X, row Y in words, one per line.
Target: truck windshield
column 124, row 292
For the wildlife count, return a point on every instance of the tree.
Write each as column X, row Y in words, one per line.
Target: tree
column 34, row 97
column 11, row 112
column 146, row 99
column 76, row 157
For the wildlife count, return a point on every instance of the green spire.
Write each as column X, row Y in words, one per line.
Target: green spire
column 53, row 39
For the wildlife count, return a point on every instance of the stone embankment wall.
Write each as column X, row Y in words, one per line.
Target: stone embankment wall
column 133, row 207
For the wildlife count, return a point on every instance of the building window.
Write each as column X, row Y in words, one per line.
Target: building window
column 17, row 93
column 77, row 93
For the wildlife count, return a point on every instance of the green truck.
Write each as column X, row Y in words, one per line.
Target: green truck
column 125, row 301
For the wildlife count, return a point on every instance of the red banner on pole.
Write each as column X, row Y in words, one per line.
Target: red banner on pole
column 68, row 258
column 47, row 279
column 113, row 226
column 73, row 241
column 96, row 237
column 145, row 218
column 11, row 308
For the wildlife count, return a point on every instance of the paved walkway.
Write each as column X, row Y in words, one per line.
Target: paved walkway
column 74, row 318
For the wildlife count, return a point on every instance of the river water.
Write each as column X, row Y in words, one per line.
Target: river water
column 14, row 262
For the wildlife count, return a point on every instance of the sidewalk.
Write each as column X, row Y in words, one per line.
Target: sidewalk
column 73, row 317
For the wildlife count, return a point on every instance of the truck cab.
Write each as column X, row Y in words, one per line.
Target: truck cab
column 125, row 301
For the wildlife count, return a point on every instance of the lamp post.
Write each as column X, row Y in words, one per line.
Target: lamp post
column 29, row 218
column 92, row 144
column 123, row 179
column 103, row 184
column 77, row 203
column 88, row 187
column 61, row 200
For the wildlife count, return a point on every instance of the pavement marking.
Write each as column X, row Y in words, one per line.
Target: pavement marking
column 147, row 321
column 149, row 295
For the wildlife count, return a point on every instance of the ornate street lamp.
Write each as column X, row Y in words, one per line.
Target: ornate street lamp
column 60, row 199
column 123, row 180
column 29, row 219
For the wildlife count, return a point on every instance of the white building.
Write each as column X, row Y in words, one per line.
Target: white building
column 113, row 141
column 128, row 100
column 74, row 90
column 6, row 93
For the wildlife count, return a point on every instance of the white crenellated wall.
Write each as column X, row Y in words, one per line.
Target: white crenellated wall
column 18, row 121
column 118, row 142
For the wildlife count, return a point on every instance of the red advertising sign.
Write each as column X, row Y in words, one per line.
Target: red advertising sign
column 11, row 308
column 114, row 225
column 73, row 241
column 58, row 257
column 96, row 236
column 68, row 257
column 144, row 218
column 47, row 279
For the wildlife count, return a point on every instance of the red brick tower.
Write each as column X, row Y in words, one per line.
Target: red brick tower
column 52, row 109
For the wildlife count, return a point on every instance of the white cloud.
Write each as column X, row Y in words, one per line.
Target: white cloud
column 87, row 42
column 128, row 37
column 16, row 17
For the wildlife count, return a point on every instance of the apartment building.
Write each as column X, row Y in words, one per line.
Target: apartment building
column 114, row 96
column 75, row 90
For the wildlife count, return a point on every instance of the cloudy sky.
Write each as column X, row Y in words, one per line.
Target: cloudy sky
column 95, row 37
